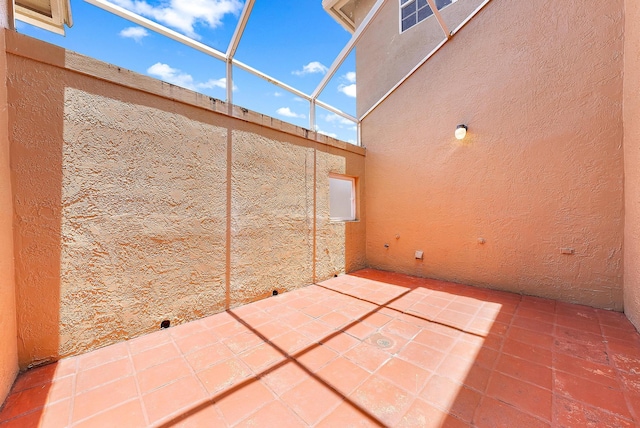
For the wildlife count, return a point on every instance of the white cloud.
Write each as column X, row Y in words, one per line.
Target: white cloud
column 286, row 112
column 179, row 78
column 216, row 83
column 328, row 134
column 171, row 75
column 299, row 100
column 348, row 90
column 135, row 33
column 277, row 94
column 334, row 118
column 184, row 15
column 312, row 68
column 350, row 77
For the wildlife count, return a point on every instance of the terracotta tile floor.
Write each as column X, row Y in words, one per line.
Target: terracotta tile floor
column 367, row 349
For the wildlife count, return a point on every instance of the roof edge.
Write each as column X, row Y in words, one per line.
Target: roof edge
column 336, row 8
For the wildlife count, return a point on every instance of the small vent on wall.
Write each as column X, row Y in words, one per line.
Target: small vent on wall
column 274, row 293
column 165, row 324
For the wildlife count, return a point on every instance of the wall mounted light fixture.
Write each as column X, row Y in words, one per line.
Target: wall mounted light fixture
column 461, row 131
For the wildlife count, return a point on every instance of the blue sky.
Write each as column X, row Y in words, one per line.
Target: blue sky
column 294, row 41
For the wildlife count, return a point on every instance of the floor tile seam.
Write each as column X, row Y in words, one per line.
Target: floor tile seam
column 446, row 351
column 621, row 384
column 191, row 369
column 138, row 371
column 30, row 411
column 138, row 389
column 343, row 398
column 461, row 330
column 45, row 382
column 176, row 414
column 156, row 388
column 633, row 418
column 73, row 393
column 448, row 410
column 277, row 399
column 492, row 369
column 257, row 409
column 25, row 391
column 516, row 336
column 157, row 345
column 179, row 334
column 620, row 389
column 73, row 423
column 624, row 320
column 293, row 358
column 50, row 403
column 586, row 377
column 528, row 412
column 528, row 361
column 593, row 406
column 573, row 328
column 473, row 315
column 122, row 357
column 581, row 357
column 567, row 322
column 310, row 373
column 513, row 377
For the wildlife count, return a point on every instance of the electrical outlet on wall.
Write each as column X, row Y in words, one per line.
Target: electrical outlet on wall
column 419, row 255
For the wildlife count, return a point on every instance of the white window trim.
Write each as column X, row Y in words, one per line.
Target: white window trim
column 354, row 213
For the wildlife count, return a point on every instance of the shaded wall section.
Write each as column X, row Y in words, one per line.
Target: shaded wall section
column 632, row 162
column 541, row 169
column 137, row 201
column 8, row 336
column 393, row 54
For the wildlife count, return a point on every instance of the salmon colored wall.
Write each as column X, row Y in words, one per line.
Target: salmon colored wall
column 632, row 162
column 8, row 336
column 540, row 170
column 137, row 201
column 393, row 54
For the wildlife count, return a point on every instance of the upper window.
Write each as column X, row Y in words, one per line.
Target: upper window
column 342, row 198
column 414, row 11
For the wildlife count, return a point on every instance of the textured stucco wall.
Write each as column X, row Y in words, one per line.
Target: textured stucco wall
column 133, row 207
column 632, row 162
column 393, row 54
column 541, row 169
column 8, row 336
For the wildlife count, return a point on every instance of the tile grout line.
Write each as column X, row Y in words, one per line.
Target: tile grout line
column 625, row 393
column 135, row 379
column 175, row 414
column 73, row 392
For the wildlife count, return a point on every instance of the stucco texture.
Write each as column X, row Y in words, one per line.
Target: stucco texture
column 632, row 162
column 540, row 87
column 132, row 207
column 393, row 54
column 8, row 329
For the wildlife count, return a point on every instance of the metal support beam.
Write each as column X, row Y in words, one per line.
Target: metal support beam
column 123, row 13
column 229, row 60
column 242, row 23
column 335, row 110
column 229, row 82
column 270, row 79
column 312, row 115
column 425, row 59
column 348, row 47
column 436, row 13
column 233, row 46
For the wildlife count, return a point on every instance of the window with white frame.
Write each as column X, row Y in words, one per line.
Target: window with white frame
column 342, row 198
column 414, row 11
